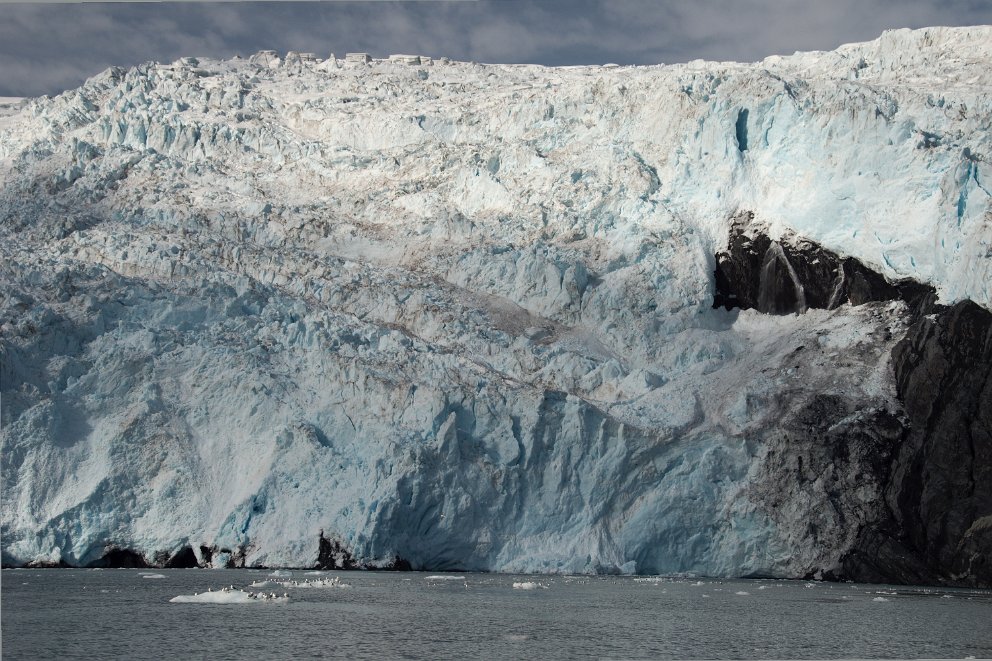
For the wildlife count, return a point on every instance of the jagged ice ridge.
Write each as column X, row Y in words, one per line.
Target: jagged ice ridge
column 462, row 313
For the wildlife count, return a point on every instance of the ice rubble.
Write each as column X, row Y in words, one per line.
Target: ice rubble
column 460, row 313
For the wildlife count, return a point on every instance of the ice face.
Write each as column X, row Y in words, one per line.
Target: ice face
column 463, row 318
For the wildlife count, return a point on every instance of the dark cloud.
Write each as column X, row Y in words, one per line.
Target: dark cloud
column 46, row 48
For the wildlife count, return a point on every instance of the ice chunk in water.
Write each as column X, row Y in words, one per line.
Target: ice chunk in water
column 229, row 597
column 529, row 585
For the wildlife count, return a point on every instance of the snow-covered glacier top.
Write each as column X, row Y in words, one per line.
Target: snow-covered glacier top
column 879, row 150
column 456, row 311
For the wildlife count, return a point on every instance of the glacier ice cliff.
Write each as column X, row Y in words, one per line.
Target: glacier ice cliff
column 721, row 318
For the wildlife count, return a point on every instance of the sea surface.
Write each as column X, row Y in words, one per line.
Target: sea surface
column 126, row 614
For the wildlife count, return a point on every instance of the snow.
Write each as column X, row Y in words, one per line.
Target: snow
column 464, row 319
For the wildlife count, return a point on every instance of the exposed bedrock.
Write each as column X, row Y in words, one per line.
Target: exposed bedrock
column 941, row 492
column 794, row 274
column 118, row 558
column 924, row 473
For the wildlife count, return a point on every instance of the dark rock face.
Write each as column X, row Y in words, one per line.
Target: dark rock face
column 826, row 468
column 939, row 496
column 185, row 558
column 332, row 554
column 795, row 274
column 941, row 492
column 117, row 558
column 928, row 467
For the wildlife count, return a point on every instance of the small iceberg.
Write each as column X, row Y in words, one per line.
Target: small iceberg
column 333, row 582
column 445, row 578
column 282, row 573
column 153, row 576
column 879, row 599
column 228, row 596
column 529, row 585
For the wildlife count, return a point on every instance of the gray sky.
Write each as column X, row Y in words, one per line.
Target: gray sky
column 47, row 47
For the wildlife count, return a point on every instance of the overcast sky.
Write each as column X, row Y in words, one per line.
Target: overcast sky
column 48, row 47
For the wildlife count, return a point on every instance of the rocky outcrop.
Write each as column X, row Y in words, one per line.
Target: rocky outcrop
column 119, row 558
column 926, row 474
column 794, row 274
column 332, row 554
column 939, row 522
column 185, row 558
column 941, row 494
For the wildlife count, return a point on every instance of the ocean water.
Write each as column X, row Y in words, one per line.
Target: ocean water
column 126, row 614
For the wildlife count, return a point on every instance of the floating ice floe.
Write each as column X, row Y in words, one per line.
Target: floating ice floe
column 227, row 596
column 742, row 593
column 281, row 573
column 879, row 599
column 529, row 585
column 143, row 575
column 445, row 578
column 333, row 582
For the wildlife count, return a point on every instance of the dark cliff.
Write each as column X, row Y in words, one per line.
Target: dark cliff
column 935, row 524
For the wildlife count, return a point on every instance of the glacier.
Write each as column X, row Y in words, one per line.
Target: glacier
column 287, row 311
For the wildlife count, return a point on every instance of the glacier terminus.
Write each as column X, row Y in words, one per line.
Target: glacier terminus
column 714, row 318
